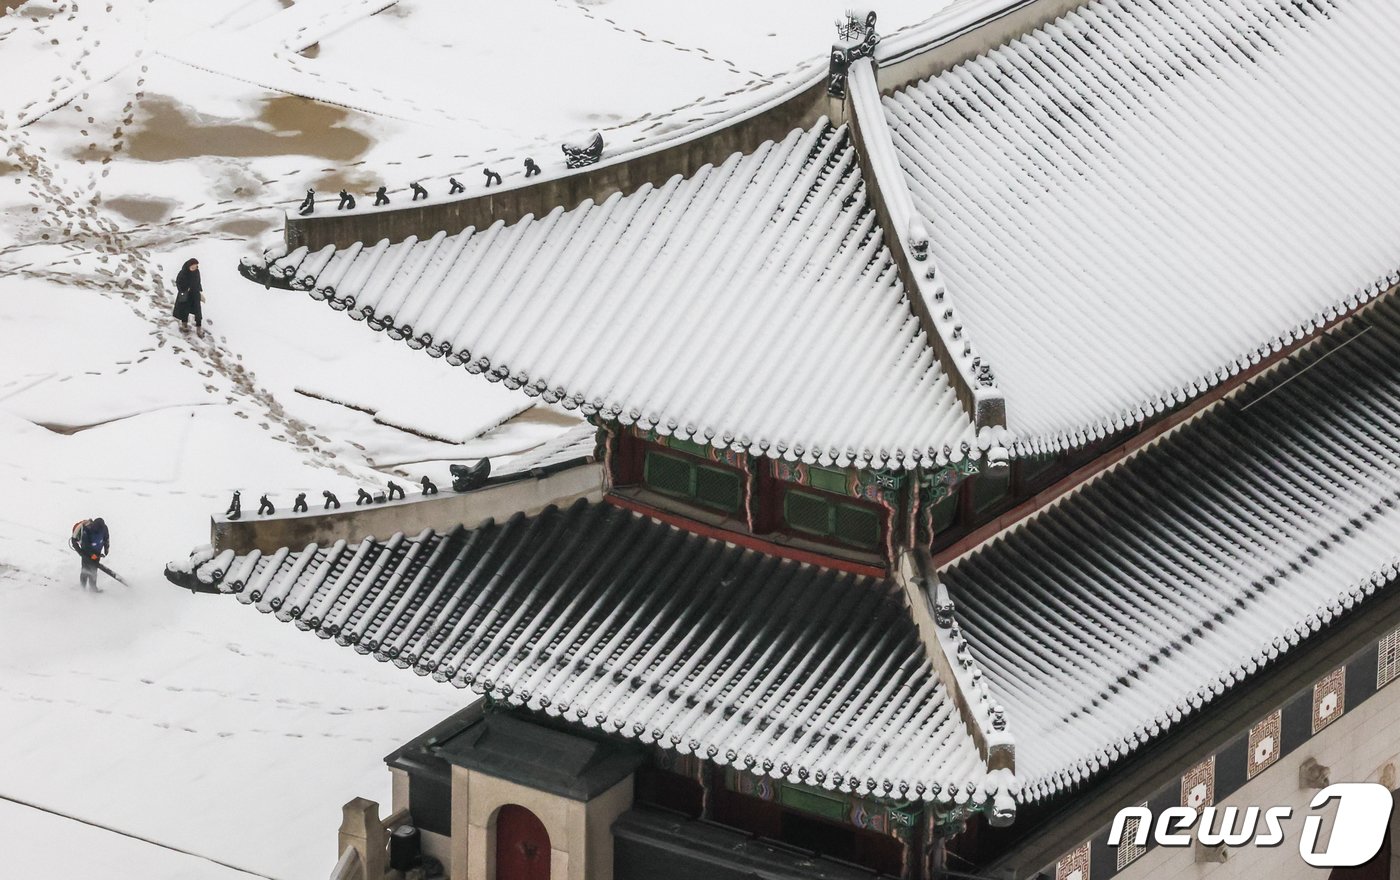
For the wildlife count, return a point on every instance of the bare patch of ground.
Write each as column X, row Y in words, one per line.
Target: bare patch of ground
column 247, row 227
column 290, row 125
column 141, row 210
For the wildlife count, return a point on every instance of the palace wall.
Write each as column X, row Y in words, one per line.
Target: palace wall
column 441, row 512
column 1361, row 746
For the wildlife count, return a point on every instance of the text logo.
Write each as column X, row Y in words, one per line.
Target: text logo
column 1362, row 821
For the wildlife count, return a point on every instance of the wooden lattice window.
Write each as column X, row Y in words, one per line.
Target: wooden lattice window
column 695, row 481
column 1128, row 850
column 1388, row 659
column 826, row 517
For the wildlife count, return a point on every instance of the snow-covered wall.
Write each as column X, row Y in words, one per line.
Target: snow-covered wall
column 441, row 511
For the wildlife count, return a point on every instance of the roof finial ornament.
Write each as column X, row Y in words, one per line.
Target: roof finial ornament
column 918, row 238
column 855, row 39
column 465, row 478
column 943, row 608
column 584, row 154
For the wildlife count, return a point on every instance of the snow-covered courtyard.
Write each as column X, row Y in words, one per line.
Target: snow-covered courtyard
column 145, row 732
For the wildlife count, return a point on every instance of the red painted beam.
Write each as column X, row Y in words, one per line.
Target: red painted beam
column 748, row 542
column 1150, row 434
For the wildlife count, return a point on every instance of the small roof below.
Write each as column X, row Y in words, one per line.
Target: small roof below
column 570, row 446
column 570, row 764
column 1137, row 201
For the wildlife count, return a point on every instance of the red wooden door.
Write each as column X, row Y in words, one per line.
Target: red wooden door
column 522, row 845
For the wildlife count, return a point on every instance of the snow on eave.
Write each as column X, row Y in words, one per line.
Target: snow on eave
column 929, row 426
column 1191, row 702
column 883, row 729
column 1172, row 398
column 971, row 445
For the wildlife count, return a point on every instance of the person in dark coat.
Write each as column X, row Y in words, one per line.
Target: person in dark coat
column 189, row 297
column 91, row 541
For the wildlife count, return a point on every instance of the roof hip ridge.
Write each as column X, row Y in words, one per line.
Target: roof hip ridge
column 906, row 235
column 950, row 654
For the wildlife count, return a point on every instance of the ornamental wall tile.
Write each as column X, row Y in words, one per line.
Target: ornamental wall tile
column 1198, row 785
column 1074, row 865
column 1329, row 699
column 1265, row 743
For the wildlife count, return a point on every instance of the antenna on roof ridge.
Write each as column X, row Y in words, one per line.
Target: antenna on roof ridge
column 856, row 38
column 856, row 24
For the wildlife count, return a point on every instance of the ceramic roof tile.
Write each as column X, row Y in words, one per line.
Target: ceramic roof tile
column 616, row 621
column 1142, row 198
column 1125, row 608
column 711, row 307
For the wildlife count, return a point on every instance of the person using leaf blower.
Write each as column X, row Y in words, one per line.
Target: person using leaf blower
column 91, row 540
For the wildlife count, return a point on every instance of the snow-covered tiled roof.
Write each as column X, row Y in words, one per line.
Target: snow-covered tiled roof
column 1155, row 589
column 613, row 620
column 1137, row 201
column 753, row 305
column 574, row 444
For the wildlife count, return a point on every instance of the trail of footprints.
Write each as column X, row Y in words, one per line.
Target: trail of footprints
column 647, row 38
column 71, row 219
column 127, row 270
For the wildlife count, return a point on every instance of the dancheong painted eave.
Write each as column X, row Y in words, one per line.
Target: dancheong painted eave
column 753, row 306
column 613, row 620
column 1141, row 199
column 1158, row 588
